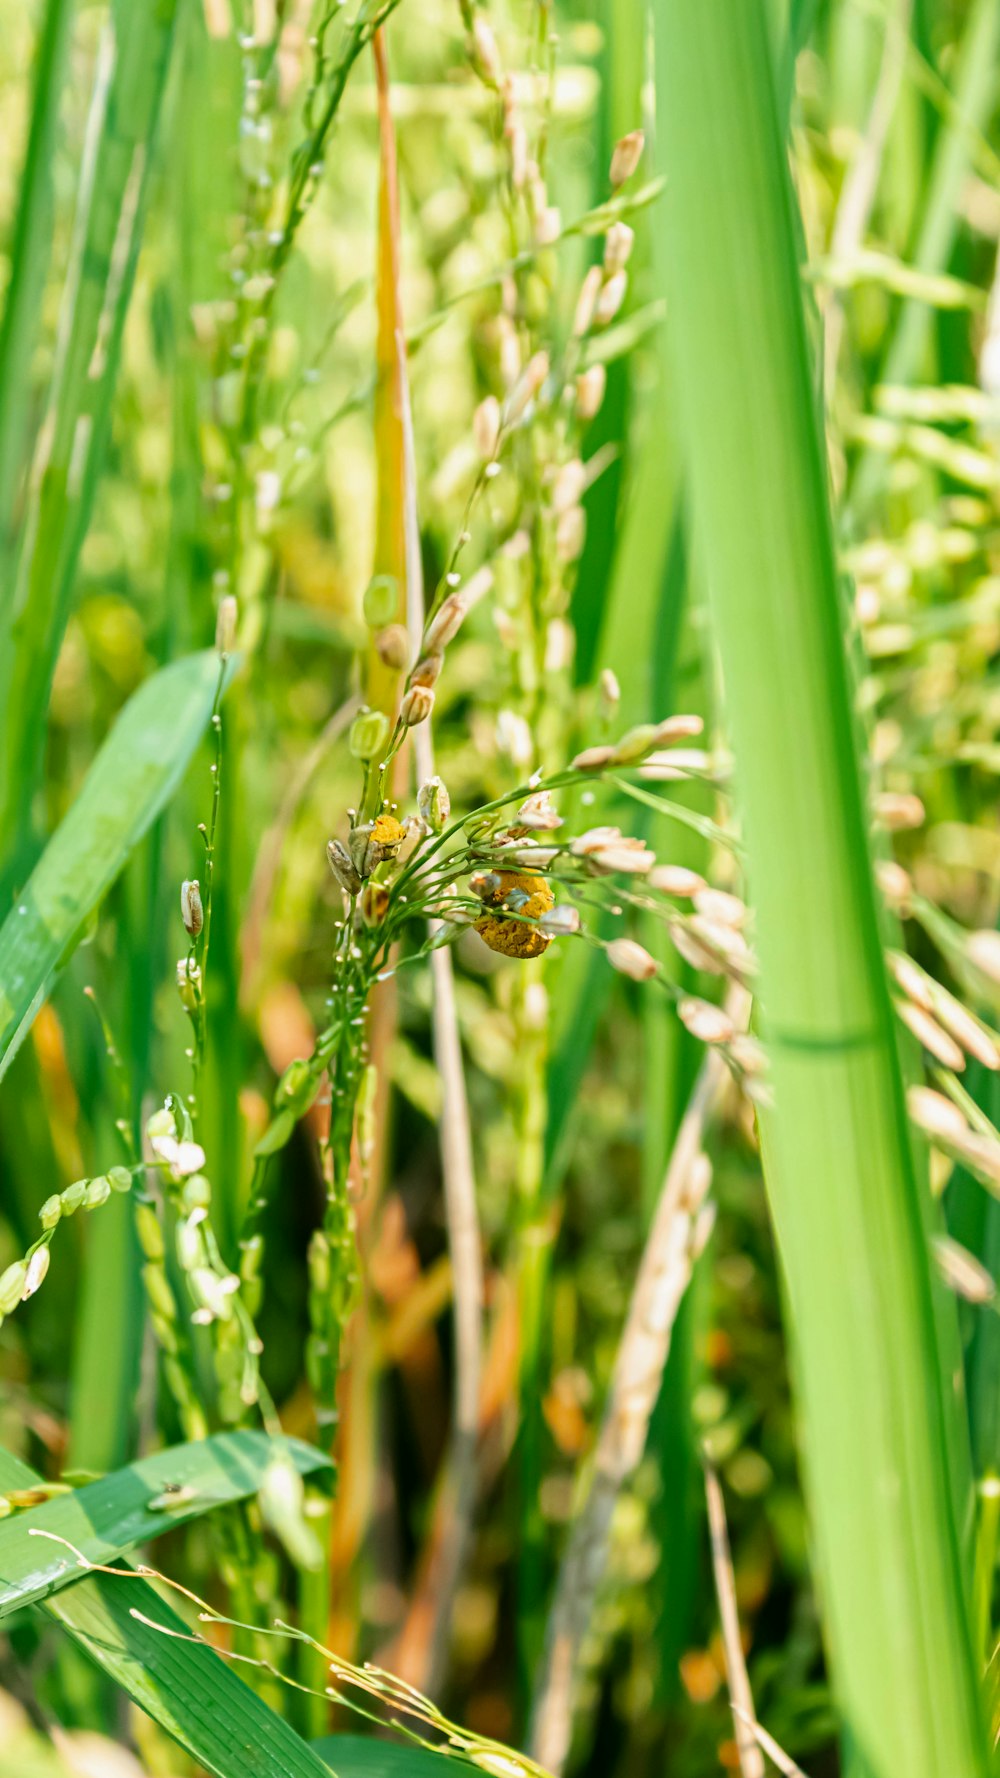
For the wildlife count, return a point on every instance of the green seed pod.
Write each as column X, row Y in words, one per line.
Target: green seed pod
column 296, row 1081
column 434, row 804
column 381, row 602
column 188, row 1243
column 635, row 744
column 196, row 1193
column 159, row 1292
column 250, row 1257
column 73, row 1196
column 50, row 1211
column 97, row 1193
column 150, row 1233
column 119, row 1179
column 369, row 734
column 12, row 1283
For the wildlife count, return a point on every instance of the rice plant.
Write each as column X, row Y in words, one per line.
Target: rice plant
column 499, row 971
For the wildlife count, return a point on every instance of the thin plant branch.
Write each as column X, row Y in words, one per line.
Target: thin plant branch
column 675, row 1240
column 777, row 1755
column 740, row 1695
column 860, row 185
column 452, row 1530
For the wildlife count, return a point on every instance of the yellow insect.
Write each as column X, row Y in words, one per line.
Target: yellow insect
column 524, row 894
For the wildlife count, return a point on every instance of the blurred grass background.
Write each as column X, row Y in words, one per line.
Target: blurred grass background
column 912, row 430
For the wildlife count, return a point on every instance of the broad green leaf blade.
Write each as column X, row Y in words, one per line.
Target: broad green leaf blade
column 130, row 781
column 359, row 1756
column 128, row 89
column 195, row 1695
column 879, row 1433
column 133, row 1506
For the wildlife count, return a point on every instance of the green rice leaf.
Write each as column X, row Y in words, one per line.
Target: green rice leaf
column 130, row 781
column 133, row 1506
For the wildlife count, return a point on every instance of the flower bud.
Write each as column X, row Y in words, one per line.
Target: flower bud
column 445, row 624
column 569, row 485
column 374, row 903
column 486, row 427
column 484, row 48
column 392, row 645
column 225, row 624
column 618, row 244
column 38, row 1265
column 548, row 226
column 571, row 534
column 416, row 706
column 626, row 157
column 590, row 387
column 50, row 1212
column 12, row 1286
column 560, row 921
column 148, row 1229
column 434, row 804
column 534, row 375
column 369, row 734
column 73, row 1196
column 97, row 1193
column 590, row 289
column 428, row 671
column 119, row 1179
column 632, row 960
column 188, row 984
column 196, row 1193
column 192, row 912
column 381, row 601
column 610, row 299
column 342, row 866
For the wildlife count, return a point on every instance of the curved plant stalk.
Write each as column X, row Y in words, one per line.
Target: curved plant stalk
column 671, row 1251
column 740, row 1695
column 879, row 1436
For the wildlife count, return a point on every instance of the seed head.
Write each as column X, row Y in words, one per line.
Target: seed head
column 610, row 299
column 586, row 302
column 983, row 951
column 718, row 905
column 935, row 1114
column 486, row 428
column 225, row 628
column 626, row 157
column 898, row 812
column 537, row 812
column 590, row 387
column 369, row 734
column 188, row 983
column 618, row 244
column 632, row 959
column 931, row 1037
column 97, row 1193
column 571, row 534
column 427, row 672
column 416, row 706
column 561, row 921
column 962, row 1271
column 675, row 879
column 73, row 1196
column 592, row 759
column 528, row 386
column 569, row 485
column 50, row 1212
column 392, row 646
column 548, row 225
column 485, row 51
column 12, row 1283
column 374, row 903
column 192, row 912
column 610, row 689
column 434, row 804
column 708, row 1023
column 374, row 843
column 381, row 602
